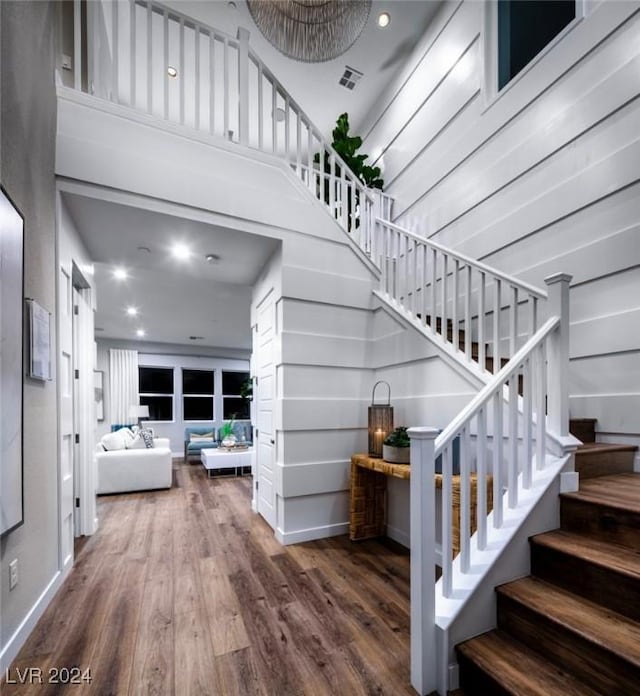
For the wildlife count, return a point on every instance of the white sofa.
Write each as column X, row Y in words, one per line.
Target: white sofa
column 124, row 470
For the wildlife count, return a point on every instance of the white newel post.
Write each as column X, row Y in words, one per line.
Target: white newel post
column 558, row 355
column 243, row 84
column 423, row 560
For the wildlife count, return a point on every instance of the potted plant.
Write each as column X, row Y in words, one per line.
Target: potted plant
column 395, row 447
column 227, row 436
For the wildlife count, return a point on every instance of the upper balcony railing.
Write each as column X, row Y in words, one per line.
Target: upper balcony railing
column 152, row 58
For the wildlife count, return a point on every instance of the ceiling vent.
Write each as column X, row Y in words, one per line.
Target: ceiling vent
column 350, row 78
column 196, row 338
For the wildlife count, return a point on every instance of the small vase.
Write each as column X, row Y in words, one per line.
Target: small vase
column 396, row 455
column 229, row 441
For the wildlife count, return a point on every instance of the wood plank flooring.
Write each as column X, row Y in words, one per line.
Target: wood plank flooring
column 186, row 591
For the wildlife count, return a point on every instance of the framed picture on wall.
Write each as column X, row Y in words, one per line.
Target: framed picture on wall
column 11, row 363
column 40, row 342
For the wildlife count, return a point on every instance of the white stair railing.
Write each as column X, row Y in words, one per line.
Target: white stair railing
column 217, row 86
column 503, row 433
column 471, row 306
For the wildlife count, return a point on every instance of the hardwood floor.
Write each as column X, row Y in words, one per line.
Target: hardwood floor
column 187, row 592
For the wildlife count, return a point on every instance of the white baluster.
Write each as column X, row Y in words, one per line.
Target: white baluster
column 115, row 54
column 498, row 459
column 513, row 440
column 77, row 45
column 481, row 481
column 165, row 53
column 149, row 55
column 243, row 85
column 132, row 43
column 225, row 87
column 527, row 415
column 212, row 83
column 274, row 122
column 497, row 308
column 445, row 273
column 181, row 72
column 455, row 328
column 434, row 297
column 465, row 500
column 482, row 356
column 541, row 401
column 447, row 521
column 467, row 315
column 311, row 181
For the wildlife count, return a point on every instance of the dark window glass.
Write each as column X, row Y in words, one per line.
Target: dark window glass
column 525, row 27
column 232, row 381
column 155, row 380
column 160, row 407
column 198, row 408
column 197, row 381
column 235, row 408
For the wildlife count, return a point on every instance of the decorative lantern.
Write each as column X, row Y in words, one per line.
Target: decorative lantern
column 380, row 421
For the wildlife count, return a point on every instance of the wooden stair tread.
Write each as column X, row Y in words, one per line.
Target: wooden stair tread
column 596, row 624
column 517, row 669
column 610, row 556
column 619, row 491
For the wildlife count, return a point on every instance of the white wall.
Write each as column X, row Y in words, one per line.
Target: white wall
column 27, row 146
column 176, row 357
column 543, row 178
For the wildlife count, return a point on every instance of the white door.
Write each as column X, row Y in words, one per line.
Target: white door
column 265, row 446
column 67, row 435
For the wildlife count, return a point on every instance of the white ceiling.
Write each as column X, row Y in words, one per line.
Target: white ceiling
column 175, row 299
column 195, row 298
column 378, row 53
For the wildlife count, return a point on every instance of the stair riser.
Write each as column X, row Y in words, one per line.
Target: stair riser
column 594, row 664
column 584, row 430
column 474, row 681
column 600, row 522
column 602, row 585
column 594, row 463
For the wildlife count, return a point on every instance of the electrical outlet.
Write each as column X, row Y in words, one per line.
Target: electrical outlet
column 13, row 573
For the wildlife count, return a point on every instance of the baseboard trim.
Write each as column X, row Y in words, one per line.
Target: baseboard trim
column 300, row 535
column 399, row 535
column 19, row 638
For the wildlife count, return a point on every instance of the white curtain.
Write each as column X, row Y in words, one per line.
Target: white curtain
column 123, row 384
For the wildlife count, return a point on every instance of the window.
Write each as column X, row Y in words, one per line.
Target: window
column 525, row 27
column 155, row 385
column 233, row 405
column 197, row 394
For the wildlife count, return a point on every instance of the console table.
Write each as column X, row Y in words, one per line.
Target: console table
column 368, row 509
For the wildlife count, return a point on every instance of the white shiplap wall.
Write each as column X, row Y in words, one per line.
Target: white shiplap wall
column 542, row 178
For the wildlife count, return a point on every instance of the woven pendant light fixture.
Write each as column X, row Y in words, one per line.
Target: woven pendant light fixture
column 312, row 31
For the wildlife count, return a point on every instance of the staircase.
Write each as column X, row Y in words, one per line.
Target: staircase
column 572, row 626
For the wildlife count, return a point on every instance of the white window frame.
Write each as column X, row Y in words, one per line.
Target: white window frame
column 490, row 51
column 211, row 396
column 233, row 396
column 172, row 395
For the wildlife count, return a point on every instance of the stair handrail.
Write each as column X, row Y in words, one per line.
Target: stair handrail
column 468, row 260
column 217, row 100
column 446, row 291
column 513, row 423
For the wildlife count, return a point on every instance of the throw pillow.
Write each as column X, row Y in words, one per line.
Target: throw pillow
column 147, row 436
column 201, row 438
column 113, row 441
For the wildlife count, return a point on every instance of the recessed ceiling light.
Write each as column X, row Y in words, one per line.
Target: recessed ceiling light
column 171, row 71
column 212, row 258
column 181, row 251
column 384, row 19
column 140, row 333
column 132, row 311
column 120, row 274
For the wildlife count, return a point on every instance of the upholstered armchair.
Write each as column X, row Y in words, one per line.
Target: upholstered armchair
column 197, row 438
